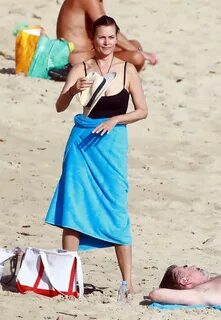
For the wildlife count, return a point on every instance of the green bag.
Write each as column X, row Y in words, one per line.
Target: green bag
column 49, row 53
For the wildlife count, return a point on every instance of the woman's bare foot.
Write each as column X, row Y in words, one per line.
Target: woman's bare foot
column 131, row 290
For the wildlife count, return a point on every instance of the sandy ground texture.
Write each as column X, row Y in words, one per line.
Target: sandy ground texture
column 174, row 157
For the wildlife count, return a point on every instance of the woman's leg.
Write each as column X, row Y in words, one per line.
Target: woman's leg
column 70, row 240
column 124, row 258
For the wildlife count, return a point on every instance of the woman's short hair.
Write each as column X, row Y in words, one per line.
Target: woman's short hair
column 104, row 21
column 169, row 280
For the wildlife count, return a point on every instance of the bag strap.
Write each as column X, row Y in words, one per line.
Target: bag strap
column 80, row 277
column 39, row 277
column 79, row 274
column 47, row 270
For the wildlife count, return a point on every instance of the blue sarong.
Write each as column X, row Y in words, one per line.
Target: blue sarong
column 91, row 196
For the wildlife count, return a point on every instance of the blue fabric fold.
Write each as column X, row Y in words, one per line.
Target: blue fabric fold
column 161, row 306
column 91, row 196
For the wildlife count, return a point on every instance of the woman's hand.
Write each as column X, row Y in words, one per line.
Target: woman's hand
column 106, row 127
column 80, row 85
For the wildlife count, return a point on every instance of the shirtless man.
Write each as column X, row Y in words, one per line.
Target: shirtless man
column 189, row 286
column 74, row 24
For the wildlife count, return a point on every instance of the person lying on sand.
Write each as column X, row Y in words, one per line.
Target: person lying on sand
column 74, row 23
column 188, row 285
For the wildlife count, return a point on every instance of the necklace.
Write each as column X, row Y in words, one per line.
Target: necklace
column 100, row 68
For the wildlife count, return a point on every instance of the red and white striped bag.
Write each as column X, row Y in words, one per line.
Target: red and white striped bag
column 50, row 273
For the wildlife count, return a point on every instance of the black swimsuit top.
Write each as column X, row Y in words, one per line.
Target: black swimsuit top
column 110, row 106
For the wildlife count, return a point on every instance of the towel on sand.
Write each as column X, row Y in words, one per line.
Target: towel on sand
column 91, row 196
column 161, row 306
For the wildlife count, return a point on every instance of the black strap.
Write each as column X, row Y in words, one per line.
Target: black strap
column 125, row 73
column 85, row 68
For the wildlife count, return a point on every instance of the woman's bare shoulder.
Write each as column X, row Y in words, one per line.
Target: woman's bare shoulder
column 122, row 62
column 90, row 63
column 131, row 68
column 132, row 73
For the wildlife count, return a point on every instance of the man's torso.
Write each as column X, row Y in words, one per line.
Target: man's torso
column 211, row 291
column 74, row 25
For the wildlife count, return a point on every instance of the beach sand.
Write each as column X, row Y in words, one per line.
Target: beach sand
column 174, row 157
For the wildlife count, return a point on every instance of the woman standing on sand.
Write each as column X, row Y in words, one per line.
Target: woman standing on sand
column 90, row 202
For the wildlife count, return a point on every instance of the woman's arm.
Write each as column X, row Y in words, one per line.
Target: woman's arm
column 138, row 98
column 69, row 89
column 75, row 83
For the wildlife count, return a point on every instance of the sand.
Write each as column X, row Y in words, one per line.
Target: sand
column 174, row 157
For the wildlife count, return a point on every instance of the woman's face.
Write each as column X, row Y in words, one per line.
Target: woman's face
column 105, row 40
